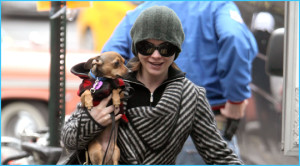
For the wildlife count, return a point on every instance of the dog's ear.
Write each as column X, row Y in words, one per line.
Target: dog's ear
column 95, row 60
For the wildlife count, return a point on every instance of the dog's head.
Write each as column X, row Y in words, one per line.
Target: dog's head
column 108, row 64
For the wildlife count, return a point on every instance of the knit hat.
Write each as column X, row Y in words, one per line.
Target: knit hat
column 160, row 23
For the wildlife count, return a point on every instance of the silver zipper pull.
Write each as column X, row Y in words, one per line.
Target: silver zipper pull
column 151, row 97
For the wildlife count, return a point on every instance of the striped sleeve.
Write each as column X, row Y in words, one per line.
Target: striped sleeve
column 206, row 137
column 87, row 130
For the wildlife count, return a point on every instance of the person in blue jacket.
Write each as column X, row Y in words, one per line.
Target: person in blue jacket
column 217, row 54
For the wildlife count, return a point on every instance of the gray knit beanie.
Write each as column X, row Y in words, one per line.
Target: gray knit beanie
column 160, row 23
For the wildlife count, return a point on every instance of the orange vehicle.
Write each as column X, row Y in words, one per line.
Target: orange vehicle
column 25, row 75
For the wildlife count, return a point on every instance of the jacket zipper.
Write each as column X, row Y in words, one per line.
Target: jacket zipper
column 158, row 86
column 151, row 94
column 151, row 99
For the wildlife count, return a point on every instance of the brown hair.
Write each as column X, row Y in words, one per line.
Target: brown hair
column 135, row 64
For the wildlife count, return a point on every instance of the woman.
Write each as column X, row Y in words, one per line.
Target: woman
column 164, row 108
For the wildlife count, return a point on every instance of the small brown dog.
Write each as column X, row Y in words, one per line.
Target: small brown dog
column 107, row 65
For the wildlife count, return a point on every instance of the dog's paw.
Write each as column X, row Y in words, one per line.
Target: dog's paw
column 89, row 108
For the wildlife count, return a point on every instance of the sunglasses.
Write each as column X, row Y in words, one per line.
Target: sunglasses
column 165, row 49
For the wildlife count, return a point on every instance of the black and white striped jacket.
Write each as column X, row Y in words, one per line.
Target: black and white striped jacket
column 159, row 124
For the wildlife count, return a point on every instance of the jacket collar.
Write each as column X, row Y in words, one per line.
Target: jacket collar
column 80, row 71
column 173, row 74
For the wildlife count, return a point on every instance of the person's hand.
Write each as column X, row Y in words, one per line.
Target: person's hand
column 101, row 113
column 233, row 110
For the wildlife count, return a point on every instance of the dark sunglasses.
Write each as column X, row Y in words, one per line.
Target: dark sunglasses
column 165, row 49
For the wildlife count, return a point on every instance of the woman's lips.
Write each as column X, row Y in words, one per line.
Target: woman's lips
column 156, row 64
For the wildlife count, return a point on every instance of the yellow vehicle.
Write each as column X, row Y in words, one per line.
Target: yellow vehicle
column 97, row 23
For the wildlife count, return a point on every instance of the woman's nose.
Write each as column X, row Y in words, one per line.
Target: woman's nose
column 156, row 54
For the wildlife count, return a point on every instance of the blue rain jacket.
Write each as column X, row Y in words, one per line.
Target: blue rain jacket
column 217, row 52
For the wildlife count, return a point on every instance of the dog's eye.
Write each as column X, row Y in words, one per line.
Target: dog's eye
column 116, row 64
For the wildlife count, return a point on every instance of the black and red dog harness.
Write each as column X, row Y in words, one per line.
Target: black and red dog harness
column 100, row 87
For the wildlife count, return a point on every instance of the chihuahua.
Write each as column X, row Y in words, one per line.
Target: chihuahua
column 107, row 67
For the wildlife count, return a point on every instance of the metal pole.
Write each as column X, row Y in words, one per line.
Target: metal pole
column 57, row 70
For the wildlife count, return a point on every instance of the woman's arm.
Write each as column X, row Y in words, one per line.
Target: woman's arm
column 206, row 136
column 87, row 130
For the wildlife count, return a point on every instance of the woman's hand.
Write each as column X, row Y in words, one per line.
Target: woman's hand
column 101, row 113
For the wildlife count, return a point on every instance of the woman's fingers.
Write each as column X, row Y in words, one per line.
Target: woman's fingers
column 101, row 113
column 105, row 101
column 118, row 117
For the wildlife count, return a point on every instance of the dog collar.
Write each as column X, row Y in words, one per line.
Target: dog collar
column 97, row 78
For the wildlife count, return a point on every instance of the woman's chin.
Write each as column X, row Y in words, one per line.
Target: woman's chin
column 155, row 73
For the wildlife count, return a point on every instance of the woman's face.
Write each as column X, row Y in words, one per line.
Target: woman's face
column 155, row 64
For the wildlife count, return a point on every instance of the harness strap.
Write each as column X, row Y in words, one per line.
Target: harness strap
column 113, row 124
